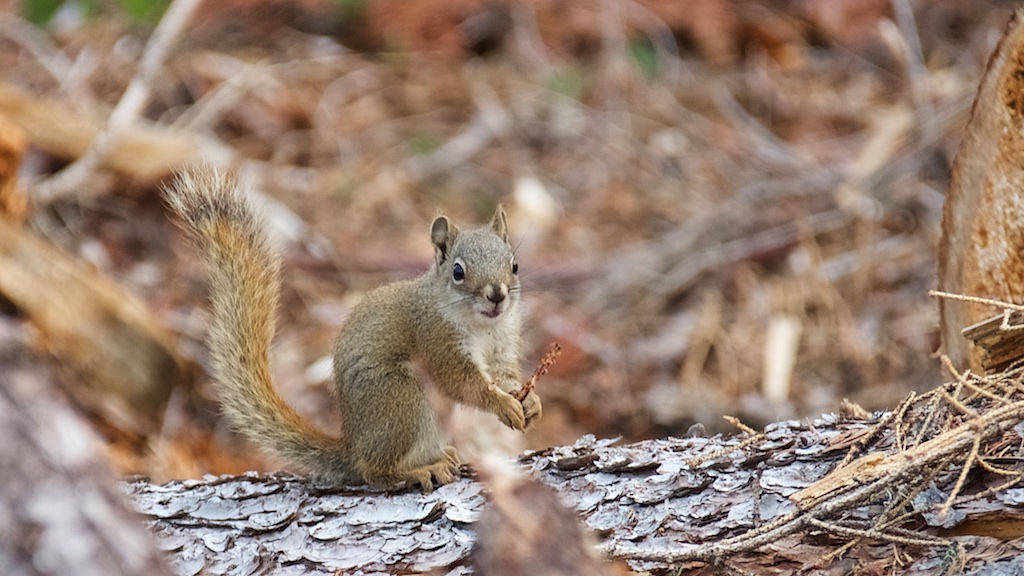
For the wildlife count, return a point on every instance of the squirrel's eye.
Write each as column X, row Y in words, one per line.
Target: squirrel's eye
column 515, row 267
column 458, row 273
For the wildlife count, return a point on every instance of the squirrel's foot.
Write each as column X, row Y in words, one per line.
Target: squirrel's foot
column 509, row 410
column 442, row 472
column 531, row 407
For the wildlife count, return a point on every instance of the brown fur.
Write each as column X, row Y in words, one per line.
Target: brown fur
column 465, row 333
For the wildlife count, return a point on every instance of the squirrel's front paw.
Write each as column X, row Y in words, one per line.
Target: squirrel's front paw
column 531, row 407
column 510, row 411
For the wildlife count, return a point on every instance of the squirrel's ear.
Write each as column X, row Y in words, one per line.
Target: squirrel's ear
column 500, row 224
column 442, row 234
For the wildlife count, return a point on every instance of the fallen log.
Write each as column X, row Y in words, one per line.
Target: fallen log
column 799, row 495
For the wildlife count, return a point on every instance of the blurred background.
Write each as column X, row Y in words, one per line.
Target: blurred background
column 720, row 207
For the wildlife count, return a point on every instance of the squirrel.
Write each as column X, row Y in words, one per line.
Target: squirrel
column 460, row 321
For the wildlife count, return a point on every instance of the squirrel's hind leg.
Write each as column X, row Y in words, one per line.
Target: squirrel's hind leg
column 444, row 471
column 417, row 449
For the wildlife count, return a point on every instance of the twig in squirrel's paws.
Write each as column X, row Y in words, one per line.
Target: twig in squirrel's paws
column 545, row 363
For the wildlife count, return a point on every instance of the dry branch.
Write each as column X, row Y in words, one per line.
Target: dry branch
column 999, row 339
column 13, row 204
column 71, row 179
column 878, row 466
column 142, row 150
column 124, row 357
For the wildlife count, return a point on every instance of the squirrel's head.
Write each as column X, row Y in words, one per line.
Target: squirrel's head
column 478, row 267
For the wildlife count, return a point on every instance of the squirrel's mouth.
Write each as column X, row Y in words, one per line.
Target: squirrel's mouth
column 493, row 312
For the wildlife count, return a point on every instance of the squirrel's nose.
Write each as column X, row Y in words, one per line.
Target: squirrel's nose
column 496, row 293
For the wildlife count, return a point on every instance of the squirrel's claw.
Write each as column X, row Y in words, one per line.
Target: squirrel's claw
column 532, row 407
column 511, row 413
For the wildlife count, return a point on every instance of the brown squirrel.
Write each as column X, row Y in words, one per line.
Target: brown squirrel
column 459, row 320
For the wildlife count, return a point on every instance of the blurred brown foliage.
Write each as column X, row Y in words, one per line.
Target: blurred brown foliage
column 705, row 200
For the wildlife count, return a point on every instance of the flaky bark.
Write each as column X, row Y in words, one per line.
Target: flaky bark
column 661, row 505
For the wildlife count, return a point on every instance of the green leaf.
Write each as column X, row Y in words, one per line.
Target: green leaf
column 40, row 12
column 146, row 12
column 422, row 144
column 645, row 57
column 351, row 10
column 568, row 82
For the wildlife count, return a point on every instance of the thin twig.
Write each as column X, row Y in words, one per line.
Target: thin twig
column 976, row 300
column 993, row 490
column 982, row 392
column 931, row 412
column 877, row 534
column 72, row 177
column 38, row 44
column 546, row 363
column 968, row 464
column 734, row 421
column 876, row 430
column 952, row 401
column 826, row 559
column 984, row 464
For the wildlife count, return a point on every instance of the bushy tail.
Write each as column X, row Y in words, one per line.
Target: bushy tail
column 244, row 285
